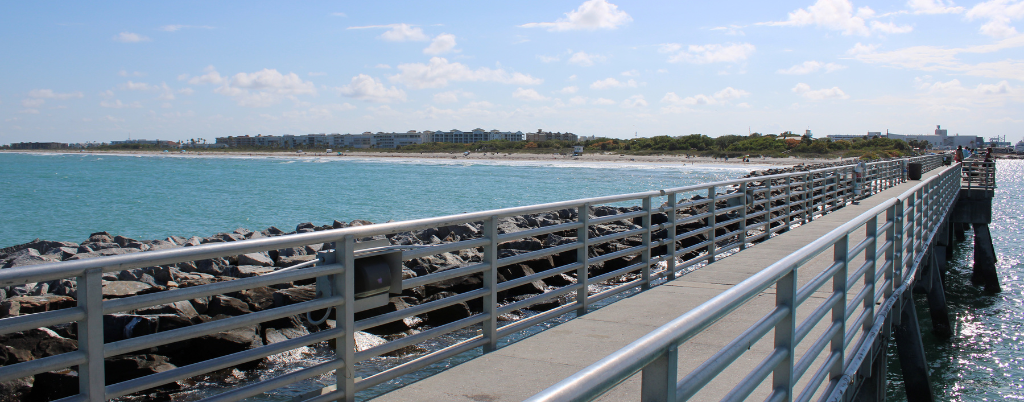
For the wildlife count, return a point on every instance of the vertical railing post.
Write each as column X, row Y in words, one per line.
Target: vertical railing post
column 808, row 198
column 658, row 379
column 768, row 212
column 899, row 238
column 871, row 257
column 712, row 196
column 789, row 201
column 490, row 299
column 645, row 255
column 582, row 256
column 743, row 216
column 345, row 346
column 890, row 251
column 670, row 235
column 840, row 287
column 785, row 333
column 91, row 375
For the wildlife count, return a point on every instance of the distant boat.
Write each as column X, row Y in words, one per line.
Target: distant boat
column 1020, row 147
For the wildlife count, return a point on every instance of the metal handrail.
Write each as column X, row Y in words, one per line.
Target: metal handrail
column 929, row 200
column 799, row 198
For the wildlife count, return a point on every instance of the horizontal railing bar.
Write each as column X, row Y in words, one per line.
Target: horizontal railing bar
column 714, row 365
column 33, row 367
column 854, row 327
column 853, row 302
column 444, row 248
column 420, row 337
column 537, row 299
column 506, row 285
column 262, row 386
column 539, row 318
column 814, row 318
column 615, row 236
column 543, row 230
column 812, row 286
column 754, row 378
column 861, row 270
column 618, row 272
column 194, row 292
column 418, row 309
column 616, row 254
column 206, row 366
column 421, row 362
column 819, row 375
column 444, row 275
column 812, row 351
column 856, row 250
column 533, row 255
column 37, row 320
column 162, row 338
column 617, row 217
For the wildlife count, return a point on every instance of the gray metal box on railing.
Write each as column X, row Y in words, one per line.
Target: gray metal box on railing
column 377, row 274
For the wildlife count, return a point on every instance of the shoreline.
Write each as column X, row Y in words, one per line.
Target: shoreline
column 756, row 162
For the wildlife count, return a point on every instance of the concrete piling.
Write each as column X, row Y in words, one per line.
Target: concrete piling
column 910, row 350
column 984, row 260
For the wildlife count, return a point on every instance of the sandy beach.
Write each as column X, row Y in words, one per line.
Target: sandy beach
column 592, row 157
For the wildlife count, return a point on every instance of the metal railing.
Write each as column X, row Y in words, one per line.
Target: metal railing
column 867, row 280
column 979, row 175
column 727, row 216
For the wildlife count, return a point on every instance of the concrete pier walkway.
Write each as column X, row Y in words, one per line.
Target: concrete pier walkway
column 524, row 368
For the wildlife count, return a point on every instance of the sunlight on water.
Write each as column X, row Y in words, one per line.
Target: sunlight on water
column 984, row 361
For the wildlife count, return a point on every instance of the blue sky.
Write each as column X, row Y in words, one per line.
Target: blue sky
column 84, row 71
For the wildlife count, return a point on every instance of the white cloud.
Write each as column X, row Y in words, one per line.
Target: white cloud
column 677, row 103
column 316, row 74
column 819, row 94
column 439, row 71
column 1000, row 88
column 111, row 119
column 29, row 111
column 32, row 103
column 603, row 101
column 117, row 104
column 548, row 59
column 568, row 90
column 935, row 58
column 711, row 53
column 572, row 77
column 890, row 28
column 258, row 89
column 812, row 66
column 631, row 73
column 49, row 94
column 128, row 37
column 186, row 91
column 669, row 47
column 211, row 77
column 578, row 100
column 999, row 13
column 634, row 101
column 451, row 96
column 107, row 94
column 933, row 7
column 175, row 28
column 370, row 89
column 611, row 82
column 442, row 43
column 584, row 59
column 399, row 32
column 384, row 66
column 730, row 30
column 137, row 86
column 124, row 73
column 166, row 93
column 339, row 15
column 591, row 15
column 528, row 95
column 838, row 15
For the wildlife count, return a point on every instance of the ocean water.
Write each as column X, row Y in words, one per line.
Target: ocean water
column 69, row 196
column 984, row 360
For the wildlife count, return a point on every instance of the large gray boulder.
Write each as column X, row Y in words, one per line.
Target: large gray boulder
column 118, row 289
column 260, row 259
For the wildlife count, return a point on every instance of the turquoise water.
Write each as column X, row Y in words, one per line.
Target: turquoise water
column 68, row 196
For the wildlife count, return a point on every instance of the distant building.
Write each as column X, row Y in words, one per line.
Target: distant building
column 941, row 140
column 542, row 135
column 376, row 140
